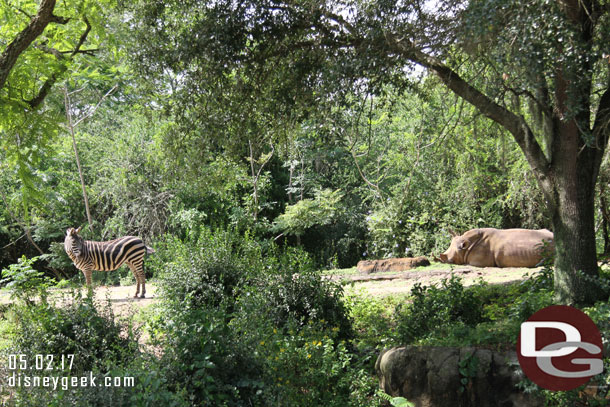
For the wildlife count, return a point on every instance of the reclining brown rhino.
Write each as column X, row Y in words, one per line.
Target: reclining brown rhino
column 488, row 247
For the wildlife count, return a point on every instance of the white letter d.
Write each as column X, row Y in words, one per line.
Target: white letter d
column 528, row 338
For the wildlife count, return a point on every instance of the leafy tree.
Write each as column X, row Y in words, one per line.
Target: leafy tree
column 537, row 69
column 42, row 43
column 306, row 213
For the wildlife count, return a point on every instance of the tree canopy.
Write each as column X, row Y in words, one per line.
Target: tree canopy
column 248, row 108
column 539, row 70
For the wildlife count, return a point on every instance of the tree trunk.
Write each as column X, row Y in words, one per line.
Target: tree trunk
column 603, row 207
column 575, row 254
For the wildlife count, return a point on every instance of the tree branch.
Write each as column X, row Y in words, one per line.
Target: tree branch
column 92, row 111
column 48, row 84
column 83, row 36
column 515, row 124
column 28, row 233
column 36, row 26
column 601, row 128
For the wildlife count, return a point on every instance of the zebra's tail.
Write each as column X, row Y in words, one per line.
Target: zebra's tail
column 150, row 250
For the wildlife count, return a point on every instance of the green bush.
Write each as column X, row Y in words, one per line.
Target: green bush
column 310, row 366
column 435, row 307
column 207, row 270
column 229, row 304
column 24, row 282
column 482, row 314
column 78, row 328
column 372, row 319
column 291, row 290
column 203, row 357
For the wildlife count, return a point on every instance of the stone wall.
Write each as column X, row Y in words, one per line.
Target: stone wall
column 430, row 377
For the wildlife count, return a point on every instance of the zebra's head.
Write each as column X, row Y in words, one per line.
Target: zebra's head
column 73, row 243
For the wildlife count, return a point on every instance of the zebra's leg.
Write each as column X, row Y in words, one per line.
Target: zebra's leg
column 135, row 274
column 143, row 279
column 87, row 274
column 139, row 267
column 143, row 283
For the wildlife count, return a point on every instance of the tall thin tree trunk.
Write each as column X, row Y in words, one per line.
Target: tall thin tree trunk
column 254, row 182
column 603, row 207
column 80, row 169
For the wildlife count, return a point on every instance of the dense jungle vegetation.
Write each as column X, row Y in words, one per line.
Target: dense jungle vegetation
column 254, row 144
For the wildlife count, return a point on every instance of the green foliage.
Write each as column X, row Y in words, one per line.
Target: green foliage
column 68, row 50
column 24, row 282
column 294, row 359
column 372, row 319
column 96, row 340
column 468, row 367
column 101, row 347
column 290, row 290
column 203, row 356
column 482, row 314
column 396, row 401
column 307, row 213
column 208, row 270
column 246, row 323
column 434, row 307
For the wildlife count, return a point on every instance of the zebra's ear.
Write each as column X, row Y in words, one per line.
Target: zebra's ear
column 77, row 231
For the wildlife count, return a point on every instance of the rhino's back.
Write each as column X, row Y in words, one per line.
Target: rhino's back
column 519, row 247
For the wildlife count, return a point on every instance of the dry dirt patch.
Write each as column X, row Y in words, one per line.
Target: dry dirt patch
column 120, row 297
column 401, row 283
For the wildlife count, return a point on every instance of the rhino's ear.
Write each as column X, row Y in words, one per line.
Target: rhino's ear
column 452, row 232
column 463, row 245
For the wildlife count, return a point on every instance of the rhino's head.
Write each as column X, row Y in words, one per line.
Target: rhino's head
column 457, row 251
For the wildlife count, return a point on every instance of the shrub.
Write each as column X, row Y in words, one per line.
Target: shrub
column 203, row 357
column 25, row 282
column 435, row 307
column 208, row 270
column 372, row 319
column 225, row 299
column 78, row 328
column 291, row 290
column 310, row 366
column 96, row 341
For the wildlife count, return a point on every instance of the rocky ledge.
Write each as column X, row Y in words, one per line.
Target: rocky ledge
column 461, row 377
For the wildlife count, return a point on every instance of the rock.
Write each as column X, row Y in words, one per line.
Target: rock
column 430, row 377
column 398, row 264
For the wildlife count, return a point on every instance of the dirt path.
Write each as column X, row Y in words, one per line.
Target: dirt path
column 120, row 297
column 377, row 284
column 385, row 284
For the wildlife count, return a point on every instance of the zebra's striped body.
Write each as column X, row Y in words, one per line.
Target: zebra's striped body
column 88, row 255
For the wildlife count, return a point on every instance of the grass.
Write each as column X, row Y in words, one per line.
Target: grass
column 6, row 328
column 352, row 271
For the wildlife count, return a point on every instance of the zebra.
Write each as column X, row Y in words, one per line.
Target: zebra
column 88, row 255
